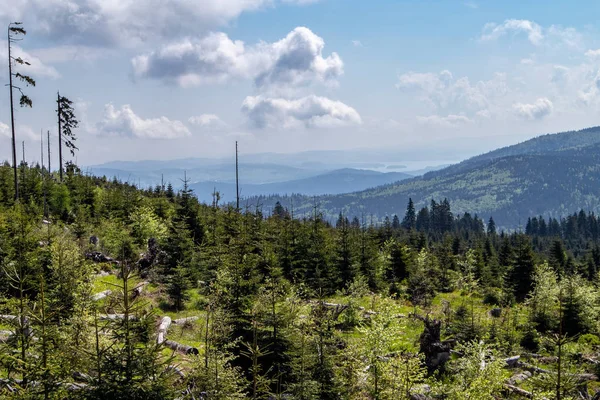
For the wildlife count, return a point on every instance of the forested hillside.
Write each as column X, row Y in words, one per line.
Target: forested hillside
column 109, row 291
column 552, row 175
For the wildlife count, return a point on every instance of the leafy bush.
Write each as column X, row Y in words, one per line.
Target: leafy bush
column 590, row 340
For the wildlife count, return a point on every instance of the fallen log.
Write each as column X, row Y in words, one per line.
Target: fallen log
column 101, row 295
column 183, row 321
column 536, row 370
column 518, row 391
column 165, row 323
column 181, row 348
column 114, row 317
column 512, row 362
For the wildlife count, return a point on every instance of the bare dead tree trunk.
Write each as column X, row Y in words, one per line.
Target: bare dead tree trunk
column 12, row 117
column 60, row 159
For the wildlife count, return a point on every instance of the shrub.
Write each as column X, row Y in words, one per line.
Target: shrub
column 589, row 340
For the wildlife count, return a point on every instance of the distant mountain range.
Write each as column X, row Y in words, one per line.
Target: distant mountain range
column 551, row 175
column 310, row 173
column 334, row 182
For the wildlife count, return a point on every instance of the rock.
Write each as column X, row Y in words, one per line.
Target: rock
column 102, row 295
column 520, row 377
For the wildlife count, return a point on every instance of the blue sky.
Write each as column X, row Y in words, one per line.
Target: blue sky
column 163, row 79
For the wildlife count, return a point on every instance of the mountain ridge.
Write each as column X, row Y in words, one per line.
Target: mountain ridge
column 528, row 178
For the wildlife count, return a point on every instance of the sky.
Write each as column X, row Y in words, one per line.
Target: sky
column 169, row 79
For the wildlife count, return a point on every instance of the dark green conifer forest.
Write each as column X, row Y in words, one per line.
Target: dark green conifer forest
column 109, row 291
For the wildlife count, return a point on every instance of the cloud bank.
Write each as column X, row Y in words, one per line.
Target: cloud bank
column 124, row 122
column 295, row 60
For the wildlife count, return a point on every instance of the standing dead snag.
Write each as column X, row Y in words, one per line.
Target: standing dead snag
column 66, row 123
column 14, row 30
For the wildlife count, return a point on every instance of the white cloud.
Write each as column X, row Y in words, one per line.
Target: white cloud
column 301, row 2
column 5, row 131
column 36, row 69
column 566, row 36
column 126, row 22
column 537, row 110
column 492, row 31
column 536, row 34
column 22, row 132
column 588, row 94
column 310, row 112
column 593, row 53
column 484, row 114
column 559, row 74
column 450, row 121
column 124, row 122
column 292, row 61
column 471, row 5
column 527, row 61
column 442, row 91
column 70, row 53
column 357, row 43
column 26, row 132
column 207, row 121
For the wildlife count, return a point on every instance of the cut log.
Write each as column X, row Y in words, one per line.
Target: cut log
column 165, row 323
column 518, row 391
column 101, row 295
column 512, row 362
column 183, row 321
column 537, row 370
column 114, row 317
column 181, row 348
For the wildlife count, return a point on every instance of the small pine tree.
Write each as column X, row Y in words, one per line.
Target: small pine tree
column 177, row 287
column 410, row 218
